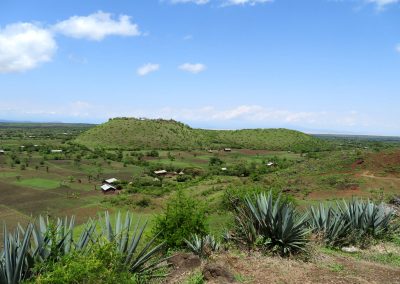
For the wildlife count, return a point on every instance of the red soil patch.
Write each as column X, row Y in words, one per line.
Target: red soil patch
column 387, row 162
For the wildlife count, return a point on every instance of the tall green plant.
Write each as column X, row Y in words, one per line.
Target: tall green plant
column 14, row 261
column 281, row 228
column 183, row 217
column 48, row 242
column 351, row 222
column 127, row 241
column 331, row 226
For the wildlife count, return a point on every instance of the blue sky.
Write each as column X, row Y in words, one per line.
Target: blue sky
column 313, row 65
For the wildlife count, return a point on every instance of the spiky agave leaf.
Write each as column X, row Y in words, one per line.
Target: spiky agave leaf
column 333, row 228
column 278, row 223
column 13, row 265
column 127, row 242
column 52, row 238
column 366, row 218
column 202, row 246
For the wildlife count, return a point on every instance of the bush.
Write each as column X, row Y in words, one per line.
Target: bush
column 183, row 178
column 183, row 217
column 101, row 265
column 153, row 153
column 144, row 202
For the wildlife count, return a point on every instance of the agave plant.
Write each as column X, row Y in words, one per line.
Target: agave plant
column 351, row 221
column 367, row 218
column 203, row 246
column 14, row 264
column 127, row 243
column 278, row 223
column 331, row 226
column 50, row 240
column 246, row 231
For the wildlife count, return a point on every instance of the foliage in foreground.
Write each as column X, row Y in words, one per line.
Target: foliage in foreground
column 280, row 228
column 203, row 246
column 103, row 264
column 183, row 217
column 53, row 243
column 353, row 222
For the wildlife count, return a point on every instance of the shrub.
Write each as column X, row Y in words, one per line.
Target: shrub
column 183, row 178
column 144, row 202
column 153, row 153
column 101, row 265
column 183, row 217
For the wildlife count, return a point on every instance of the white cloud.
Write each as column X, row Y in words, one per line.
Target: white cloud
column 254, row 113
column 398, row 48
column 97, row 26
column 24, row 46
column 147, row 68
column 245, row 2
column 192, row 68
column 198, row 2
column 382, row 3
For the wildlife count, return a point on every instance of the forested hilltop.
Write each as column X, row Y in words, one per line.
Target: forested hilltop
column 133, row 133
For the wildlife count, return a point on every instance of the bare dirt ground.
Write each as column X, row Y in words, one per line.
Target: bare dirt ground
column 260, row 269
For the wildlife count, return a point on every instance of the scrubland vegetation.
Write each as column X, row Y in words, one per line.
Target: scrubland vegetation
column 278, row 196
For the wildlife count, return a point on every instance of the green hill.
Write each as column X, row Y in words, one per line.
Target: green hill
column 132, row 133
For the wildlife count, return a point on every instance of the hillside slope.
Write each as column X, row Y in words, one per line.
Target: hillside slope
column 131, row 133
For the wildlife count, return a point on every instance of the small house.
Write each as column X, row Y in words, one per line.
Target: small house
column 224, row 169
column 270, row 164
column 227, row 149
column 161, row 172
column 110, row 181
column 106, row 188
column 56, row 151
column 2, row 152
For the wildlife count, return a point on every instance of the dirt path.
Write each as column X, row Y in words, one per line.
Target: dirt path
column 367, row 174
